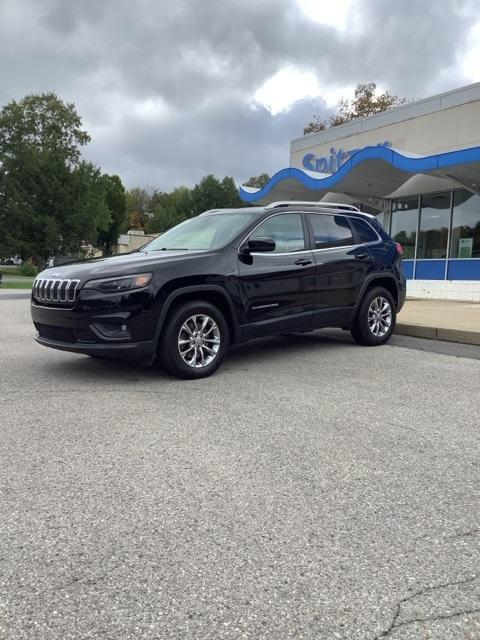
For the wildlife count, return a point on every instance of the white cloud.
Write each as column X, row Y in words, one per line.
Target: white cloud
column 291, row 84
column 471, row 60
column 335, row 13
column 152, row 109
column 332, row 95
column 287, row 86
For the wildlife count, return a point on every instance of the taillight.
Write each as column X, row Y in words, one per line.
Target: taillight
column 399, row 248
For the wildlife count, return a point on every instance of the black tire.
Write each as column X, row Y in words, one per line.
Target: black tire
column 169, row 350
column 362, row 331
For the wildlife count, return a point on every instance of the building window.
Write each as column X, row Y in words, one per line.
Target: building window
column 465, row 238
column 404, row 225
column 382, row 219
column 434, row 223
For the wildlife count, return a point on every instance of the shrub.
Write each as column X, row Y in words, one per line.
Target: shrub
column 28, row 269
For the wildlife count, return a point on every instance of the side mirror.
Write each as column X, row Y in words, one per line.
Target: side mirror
column 258, row 245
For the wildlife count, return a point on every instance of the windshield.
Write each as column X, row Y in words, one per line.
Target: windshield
column 203, row 232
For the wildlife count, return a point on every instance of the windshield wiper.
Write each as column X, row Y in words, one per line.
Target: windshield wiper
column 172, row 249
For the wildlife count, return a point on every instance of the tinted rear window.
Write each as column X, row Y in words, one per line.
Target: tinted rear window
column 330, row 231
column 364, row 231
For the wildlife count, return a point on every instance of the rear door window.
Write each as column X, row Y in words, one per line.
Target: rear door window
column 330, row 230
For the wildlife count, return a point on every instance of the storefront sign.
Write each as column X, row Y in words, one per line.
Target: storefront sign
column 465, row 247
column 333, row 162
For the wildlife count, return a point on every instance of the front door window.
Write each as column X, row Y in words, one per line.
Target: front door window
column 287, row 231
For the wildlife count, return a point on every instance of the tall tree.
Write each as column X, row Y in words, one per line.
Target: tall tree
column 116, row 202
column 258, row 181
column 365, row 103
column 230, row 194
column 169, row 209
column 49, row 199
column 207, row 194
column 43, row 124
column 139, row 207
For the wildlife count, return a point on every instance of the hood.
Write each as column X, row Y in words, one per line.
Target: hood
column 124, row 264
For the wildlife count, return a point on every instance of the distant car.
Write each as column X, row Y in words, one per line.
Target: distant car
column 14, row 260
column 225, row 277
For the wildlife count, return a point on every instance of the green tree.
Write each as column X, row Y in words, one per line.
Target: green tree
column 258, row 181
column 169, row 209
column 41, row 123
column 365, row 103
column 207, row 194
column 50, row 200
column 139, row 207
column 117, row 206
column 210, row 193
column 231, row 199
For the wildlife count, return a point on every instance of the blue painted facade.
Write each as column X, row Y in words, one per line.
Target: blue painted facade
column 463, row 269
column 407, row 164
column 439, row 164
column 467, row 269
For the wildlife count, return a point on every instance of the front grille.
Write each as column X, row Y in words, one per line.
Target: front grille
column 50, row 332
column 55, row 291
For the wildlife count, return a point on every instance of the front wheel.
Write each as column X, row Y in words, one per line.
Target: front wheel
column 375, row 319
column 194, row 341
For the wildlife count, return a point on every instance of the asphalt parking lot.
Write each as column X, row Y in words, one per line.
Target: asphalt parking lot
column 311, row 489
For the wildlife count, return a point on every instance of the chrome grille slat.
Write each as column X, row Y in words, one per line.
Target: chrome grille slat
column 63, row 289
column 55, row 290
column 48, row 290
column 73, row 291
column 56, row 284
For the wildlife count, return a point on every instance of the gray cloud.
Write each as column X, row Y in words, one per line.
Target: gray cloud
column 165, row 88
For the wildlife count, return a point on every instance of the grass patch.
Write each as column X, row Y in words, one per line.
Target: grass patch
column 16, row 285
column 10, row 270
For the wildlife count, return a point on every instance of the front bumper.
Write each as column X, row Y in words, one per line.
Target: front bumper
column 114, row 326
column 127, row 350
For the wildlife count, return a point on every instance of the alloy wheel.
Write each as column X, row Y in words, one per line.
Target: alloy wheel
column 199, row 341
column 379, row 316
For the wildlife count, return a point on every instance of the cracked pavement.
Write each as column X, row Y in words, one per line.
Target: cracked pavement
column 312, row 489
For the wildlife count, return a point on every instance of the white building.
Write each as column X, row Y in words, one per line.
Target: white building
column 416, row 166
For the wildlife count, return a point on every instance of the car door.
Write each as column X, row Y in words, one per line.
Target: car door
column 277, row 288
column 341, row 267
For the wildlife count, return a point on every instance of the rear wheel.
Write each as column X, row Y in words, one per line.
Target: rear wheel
column 194, row 341
column 375, row 319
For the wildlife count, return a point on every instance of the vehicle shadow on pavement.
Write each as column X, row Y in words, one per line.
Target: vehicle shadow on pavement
column 293, row 343
column 255, row 351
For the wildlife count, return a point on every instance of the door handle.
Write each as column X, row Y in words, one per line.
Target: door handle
column 303, row 262
column 361, row 256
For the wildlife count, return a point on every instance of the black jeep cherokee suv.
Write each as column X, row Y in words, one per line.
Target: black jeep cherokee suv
column 224, row 277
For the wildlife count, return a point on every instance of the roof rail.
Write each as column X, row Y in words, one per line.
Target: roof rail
column 321, row 205
column 210, row 211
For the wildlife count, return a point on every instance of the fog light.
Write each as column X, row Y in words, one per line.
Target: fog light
column 111, row 330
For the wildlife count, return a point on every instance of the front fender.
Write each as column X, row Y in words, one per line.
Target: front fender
column 196, row 289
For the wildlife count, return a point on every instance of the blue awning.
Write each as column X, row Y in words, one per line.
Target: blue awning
column 373, row 172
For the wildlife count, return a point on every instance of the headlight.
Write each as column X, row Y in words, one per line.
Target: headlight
column 127, row 283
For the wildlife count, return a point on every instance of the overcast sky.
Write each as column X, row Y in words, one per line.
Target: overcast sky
column 172, row 90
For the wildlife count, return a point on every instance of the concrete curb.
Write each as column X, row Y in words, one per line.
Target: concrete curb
column 438, row 333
